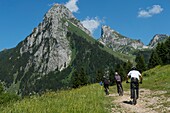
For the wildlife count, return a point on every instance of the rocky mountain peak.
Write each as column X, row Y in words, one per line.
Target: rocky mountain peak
column 118, row 42
column 59, row 11
column 47, row 44
column 157, row 38
column 106, row 31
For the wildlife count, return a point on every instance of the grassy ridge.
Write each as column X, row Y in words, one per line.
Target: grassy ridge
column 157, row 78
column 88, row 99
column 90, row 39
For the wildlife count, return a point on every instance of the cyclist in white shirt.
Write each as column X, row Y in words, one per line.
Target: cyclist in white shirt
column 135, row 76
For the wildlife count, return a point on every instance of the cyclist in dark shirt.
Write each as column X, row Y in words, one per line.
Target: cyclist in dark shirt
column 119, row 83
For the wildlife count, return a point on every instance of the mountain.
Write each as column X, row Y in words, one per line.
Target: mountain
column 123, row 44
column 48, row 58
column 157, row 38
column 118, row 42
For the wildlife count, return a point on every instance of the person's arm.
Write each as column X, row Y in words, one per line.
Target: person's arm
column 141, row 79
column 127, row 77
column 120, row 78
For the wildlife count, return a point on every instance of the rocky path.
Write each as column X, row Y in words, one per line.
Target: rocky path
column 148, row 102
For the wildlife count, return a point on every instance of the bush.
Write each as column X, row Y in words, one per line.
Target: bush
column 6, row 97
column 1, row 88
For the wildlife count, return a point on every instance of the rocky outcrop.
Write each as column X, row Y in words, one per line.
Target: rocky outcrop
column 48, row 44
column 118, row 42
column 157, row 38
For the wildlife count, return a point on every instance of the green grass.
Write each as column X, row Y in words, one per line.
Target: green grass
column 121, row 56
column 157, row 78
column 88, row 99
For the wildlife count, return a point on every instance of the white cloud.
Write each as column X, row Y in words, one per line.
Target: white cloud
column 156, row 9
column 91, row 24
column 72, row 6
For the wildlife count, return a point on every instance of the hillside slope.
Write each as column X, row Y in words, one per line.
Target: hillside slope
column 153, row 98
column 88, row 99
column 154, row 93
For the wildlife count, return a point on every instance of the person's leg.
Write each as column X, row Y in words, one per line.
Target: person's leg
column 105, row 87
column 117, row 87
column 137, row 90
column 121, row 86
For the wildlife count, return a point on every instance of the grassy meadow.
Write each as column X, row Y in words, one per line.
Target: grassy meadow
column 88, row 99
column 157, row 78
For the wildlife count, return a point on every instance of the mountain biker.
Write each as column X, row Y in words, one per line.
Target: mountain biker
column 134, row 75
column 118, row 80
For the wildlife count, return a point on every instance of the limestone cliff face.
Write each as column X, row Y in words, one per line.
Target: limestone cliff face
column 117, row 42
column 48, row 44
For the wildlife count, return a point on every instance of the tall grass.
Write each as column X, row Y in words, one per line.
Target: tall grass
column 157, row 78
column 88, row 99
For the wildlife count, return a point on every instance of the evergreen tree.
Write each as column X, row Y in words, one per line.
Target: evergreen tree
column 75, row 80
column 83, row 77
column 162, row 52
column 127, row 66
column 79, row 78
column 121, row 71
column 99, row 75
column 167, row 46
column 140, row 63
column 1, row 88
column 111, row 76
column 154, row 60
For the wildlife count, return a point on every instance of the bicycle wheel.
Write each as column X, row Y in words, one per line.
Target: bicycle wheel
column 134, row 102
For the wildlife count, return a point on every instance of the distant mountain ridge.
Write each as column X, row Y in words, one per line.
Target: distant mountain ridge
column 157, row 38
column 123, row 44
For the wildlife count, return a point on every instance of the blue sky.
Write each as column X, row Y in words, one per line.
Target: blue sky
column 137, row 19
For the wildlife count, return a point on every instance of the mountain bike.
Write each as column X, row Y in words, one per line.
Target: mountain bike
column 134, row 99
column 134, row 93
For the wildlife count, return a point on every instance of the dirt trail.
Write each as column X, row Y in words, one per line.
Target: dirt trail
column 148, row 102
